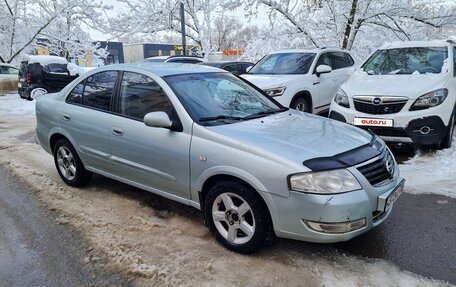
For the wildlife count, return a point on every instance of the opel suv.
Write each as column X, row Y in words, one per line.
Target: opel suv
column 405, row 93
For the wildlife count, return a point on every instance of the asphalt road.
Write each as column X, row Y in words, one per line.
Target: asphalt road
column 34, row 250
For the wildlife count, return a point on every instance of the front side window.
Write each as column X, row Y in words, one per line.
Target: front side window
column 213, row 98
column 98, row 90
column 284, row 63
column 231, row 68
column 324, row 59
column 140, row 95
column 409, row 60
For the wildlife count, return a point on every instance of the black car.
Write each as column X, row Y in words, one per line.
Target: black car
column 40, row 75
column 235, row 67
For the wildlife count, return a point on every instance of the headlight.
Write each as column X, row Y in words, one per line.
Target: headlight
column 275, row 92
column 324, row 182
column 341, row 98
column 429, row 100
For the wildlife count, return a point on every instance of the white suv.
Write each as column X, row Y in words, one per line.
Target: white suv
column 404, row 92
column 305, row 80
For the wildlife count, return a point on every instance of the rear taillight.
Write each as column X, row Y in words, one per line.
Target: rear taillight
column 29, row 78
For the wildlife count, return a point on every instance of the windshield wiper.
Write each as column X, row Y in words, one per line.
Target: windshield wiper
column 264, row 113
column 220, row 117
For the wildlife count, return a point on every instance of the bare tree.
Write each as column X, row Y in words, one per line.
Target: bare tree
column 23, row 23
column 226, row 29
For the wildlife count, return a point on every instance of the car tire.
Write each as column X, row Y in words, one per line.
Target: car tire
column 301, row 104
column 446, row 142
column 69, row 165
column 36, row 93
column 237, row 217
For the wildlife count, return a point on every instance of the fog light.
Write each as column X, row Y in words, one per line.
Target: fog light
column 425, row 130
column 339, row 227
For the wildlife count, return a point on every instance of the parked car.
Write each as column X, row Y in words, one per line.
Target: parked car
column 156, row 59
column 8, row 79
column 404, row 92
column 39, row 75
column 256, row 169
column 305, row 80
column 175, row 59
column 235, row 67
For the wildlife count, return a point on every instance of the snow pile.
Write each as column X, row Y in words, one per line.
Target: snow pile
column 46, row 60
column 14, row 105
column 431, row 172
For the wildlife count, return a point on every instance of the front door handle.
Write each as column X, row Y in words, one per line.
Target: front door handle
column 117, row 131
column 66, row 116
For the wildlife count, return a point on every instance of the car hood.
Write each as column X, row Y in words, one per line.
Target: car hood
column 265, row 81
column 411, row 86
column 295, row 135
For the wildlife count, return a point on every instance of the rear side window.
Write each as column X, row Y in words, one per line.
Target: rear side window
column 98, row 90
column 75, row 97
column 56, row 69
column 341, row 60
column 140, row 95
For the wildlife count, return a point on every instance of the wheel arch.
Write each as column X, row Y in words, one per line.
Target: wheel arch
column 218, row 177
column 57, row 134
column 303, row 94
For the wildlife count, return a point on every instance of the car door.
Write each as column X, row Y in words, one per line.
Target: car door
column 324, row 84
column 87, row 117
column 341, row 63
column 155, row 157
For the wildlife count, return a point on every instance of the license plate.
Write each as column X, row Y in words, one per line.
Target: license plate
column 385, row 202
column 372, row 122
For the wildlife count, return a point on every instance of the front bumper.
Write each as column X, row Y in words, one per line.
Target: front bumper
column 291, row 214
column 423, row 127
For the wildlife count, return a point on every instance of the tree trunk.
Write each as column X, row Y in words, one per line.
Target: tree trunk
column 349, row 26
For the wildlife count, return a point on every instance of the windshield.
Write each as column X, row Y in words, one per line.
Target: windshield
column 406, row 61
column 284, row 63
column 218, row 98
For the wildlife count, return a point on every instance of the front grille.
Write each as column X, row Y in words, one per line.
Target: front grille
column 386, row 132
column 382, row 109
column 376, row 171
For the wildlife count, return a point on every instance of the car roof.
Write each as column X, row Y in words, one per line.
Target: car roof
column 226, row 62
column 157, row 57
column 169, row 69
column 314, row 50
column 411, row 44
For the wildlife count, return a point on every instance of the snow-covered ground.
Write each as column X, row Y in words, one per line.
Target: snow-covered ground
column 431, row 172
column 121, row 225
column 13, row 105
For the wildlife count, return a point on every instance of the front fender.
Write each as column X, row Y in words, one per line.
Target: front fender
column 225, row 170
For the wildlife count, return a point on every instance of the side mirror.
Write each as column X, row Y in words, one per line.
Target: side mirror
column 157, row 120
column 248, row 69
column 323, row 69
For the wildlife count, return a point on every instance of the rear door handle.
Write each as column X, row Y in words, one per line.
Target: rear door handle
column 66, row 116
column 117, row 131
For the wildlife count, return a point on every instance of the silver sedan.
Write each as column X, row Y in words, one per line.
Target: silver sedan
column 204, row 137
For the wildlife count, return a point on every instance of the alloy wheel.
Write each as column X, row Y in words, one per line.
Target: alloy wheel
column 233, row 218
column 66, row 163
